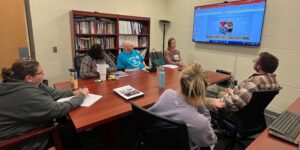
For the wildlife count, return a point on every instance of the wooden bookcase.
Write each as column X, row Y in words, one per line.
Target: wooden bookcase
column 88, row 28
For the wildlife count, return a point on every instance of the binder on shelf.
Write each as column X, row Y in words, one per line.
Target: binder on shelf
column 128, row 92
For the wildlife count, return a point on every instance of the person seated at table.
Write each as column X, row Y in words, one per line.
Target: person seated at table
column 28, row 104
column 172, row 54
column 264, row 79
column 130, row 58
column 187, row 105
column 96, row 55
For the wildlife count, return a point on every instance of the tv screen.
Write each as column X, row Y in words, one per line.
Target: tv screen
column 238, row 22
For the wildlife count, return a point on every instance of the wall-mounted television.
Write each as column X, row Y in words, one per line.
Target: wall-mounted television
column 236, row 23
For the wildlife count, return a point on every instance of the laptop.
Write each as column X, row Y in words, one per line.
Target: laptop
column 286, row 127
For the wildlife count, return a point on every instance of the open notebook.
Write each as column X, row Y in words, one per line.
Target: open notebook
column 88, row 101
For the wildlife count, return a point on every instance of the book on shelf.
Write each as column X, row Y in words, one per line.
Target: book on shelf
column 131, row 27
column 143, row 41
column 112, row 56
column 131, row 38
column 128, row 92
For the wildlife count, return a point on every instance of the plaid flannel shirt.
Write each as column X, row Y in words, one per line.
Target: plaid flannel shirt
column 88, row 68
column 242, row 93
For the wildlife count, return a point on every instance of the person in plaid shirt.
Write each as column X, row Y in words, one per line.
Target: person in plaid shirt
column 96, row 55
column 264, row 79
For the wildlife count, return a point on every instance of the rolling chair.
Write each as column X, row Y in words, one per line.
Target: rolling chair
column 34, row 134
column 77, row 63
column 158, row 132
column 248, row 121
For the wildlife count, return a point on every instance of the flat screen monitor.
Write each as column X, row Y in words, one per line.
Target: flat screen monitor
column 237, row 22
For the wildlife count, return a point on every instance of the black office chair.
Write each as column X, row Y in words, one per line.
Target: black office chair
column 77, row 63
column 249, row 120
column 158, row 132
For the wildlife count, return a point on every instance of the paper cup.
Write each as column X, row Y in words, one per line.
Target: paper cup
column 103, row 77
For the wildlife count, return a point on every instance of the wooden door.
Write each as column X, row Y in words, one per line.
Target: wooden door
column 13, row 33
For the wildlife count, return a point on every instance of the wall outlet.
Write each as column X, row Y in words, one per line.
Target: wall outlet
column 54, row 49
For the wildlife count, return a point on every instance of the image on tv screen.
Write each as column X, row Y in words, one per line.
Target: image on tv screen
column 237, row 23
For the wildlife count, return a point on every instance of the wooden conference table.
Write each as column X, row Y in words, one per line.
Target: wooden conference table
column 111, row 106
column 268, row 142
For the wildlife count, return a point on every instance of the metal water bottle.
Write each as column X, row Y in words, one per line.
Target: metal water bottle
column 161, row 77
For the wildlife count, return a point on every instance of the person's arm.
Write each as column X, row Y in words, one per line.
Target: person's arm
column 180, row 62
column 40, row 107
column 168, row 58
column 200, row 130
column 239, row 97
column 85, row 69
column 142, row 60
column 56, row 93
column 204, row 111
column 111, row 64
column 120, row 65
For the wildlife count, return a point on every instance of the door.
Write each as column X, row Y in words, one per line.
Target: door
column 13, row 33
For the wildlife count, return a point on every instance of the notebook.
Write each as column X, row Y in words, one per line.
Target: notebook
column 286, row 127
column 128, row 92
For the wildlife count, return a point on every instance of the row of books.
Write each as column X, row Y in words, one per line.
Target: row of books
column 131, row 27
column 131, row 38
column 91, row 25
column 135, row 40
column 86, row 43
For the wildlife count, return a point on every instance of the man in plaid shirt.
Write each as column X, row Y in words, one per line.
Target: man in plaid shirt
column 238, row 97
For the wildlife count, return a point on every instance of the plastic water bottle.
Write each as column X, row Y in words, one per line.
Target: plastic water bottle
column 73, row 79
column 161, row 77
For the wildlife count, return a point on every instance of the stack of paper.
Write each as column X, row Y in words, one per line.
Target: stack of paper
column 88, row 101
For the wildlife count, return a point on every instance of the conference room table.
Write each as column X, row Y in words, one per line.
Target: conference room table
column 266, row 141
column 112, row 106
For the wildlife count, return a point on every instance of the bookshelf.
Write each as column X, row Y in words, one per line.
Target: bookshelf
column 110, row 30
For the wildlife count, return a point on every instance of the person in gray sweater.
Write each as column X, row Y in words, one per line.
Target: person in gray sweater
column 28, row 104
column 188, row 106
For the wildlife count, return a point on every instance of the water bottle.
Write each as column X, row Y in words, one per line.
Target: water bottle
column 161, row 77
column 73, row 79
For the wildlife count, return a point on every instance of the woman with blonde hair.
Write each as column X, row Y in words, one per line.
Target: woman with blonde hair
column 188, row 106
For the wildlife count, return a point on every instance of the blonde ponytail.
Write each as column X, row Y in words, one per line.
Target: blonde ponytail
column 193, row 84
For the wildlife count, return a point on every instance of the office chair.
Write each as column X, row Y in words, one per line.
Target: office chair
column 34, row 134
column 249, row 120
column 77, row 63
column 158, row 132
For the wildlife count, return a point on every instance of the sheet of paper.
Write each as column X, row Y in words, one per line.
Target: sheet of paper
column 170, row 66
column 87, row 102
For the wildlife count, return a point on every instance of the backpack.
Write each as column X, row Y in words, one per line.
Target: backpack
column 157, row 58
